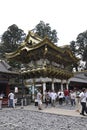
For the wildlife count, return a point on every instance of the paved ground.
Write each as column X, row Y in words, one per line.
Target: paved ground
column 30, row 118
column 59, row 109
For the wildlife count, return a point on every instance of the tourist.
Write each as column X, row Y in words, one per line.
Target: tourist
column 11, row 99
column 49, row 93
column 72, row 98
column 83, row 98
column 53, row 97
column 39, row 99
column 47, row 98
column 60, row 96
column 66, row 95
column 77, row 100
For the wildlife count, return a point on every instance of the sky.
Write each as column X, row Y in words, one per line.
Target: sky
column 67, row 17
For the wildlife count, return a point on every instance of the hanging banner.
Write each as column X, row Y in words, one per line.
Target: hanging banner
column 16, row 89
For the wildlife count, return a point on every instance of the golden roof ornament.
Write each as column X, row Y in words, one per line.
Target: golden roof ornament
column 46, row 49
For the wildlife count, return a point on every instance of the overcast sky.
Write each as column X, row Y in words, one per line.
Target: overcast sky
column 68, row 17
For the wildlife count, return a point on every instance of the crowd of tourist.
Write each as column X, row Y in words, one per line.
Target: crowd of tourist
column 76, row 98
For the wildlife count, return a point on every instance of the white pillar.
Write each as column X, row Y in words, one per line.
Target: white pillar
column 62, row 85
column 53, row 86
column 44, row 88
column 67, row 83
column 33, row 91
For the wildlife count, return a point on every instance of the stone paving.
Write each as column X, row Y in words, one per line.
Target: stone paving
column 30, row 118
column 59, row 109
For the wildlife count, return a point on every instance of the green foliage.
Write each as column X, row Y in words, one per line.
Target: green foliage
column 14, row 64
column 85, row 56
column 74, row 51
column 81, row 42
column 11, row 39
column 79, row 47
column 73, row 47
column 44, row 30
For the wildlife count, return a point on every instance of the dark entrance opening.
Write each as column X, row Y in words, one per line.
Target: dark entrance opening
column 4, row 90
column 77, row 85
column 57, row 86
column 48, row 86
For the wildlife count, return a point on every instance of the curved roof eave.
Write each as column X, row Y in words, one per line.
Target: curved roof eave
column 46, row 42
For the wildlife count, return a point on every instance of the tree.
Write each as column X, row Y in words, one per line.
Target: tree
column 79, row 47
column 74, row 51
column 73, row 47
column 85, row 56
column 81, row 43
column 11, row 39
column 43, row 30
